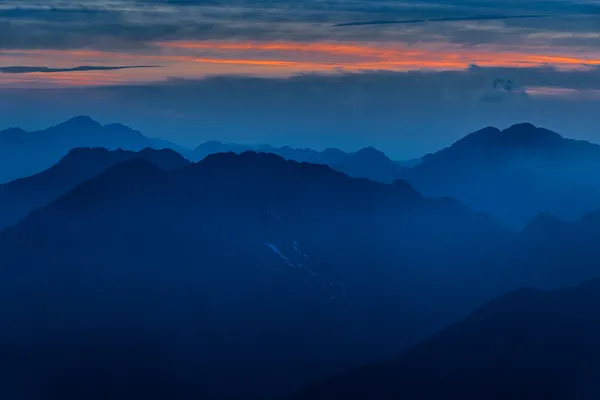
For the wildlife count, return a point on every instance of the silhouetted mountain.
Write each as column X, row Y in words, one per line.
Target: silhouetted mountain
column 332, row 156
column 25, row 153
column 543, row 224
column 514, row 174
column 214, row 147
column 241, row 276
column 550, row 253
column 528, row 344
column 18, row 198
column 327, row 156
column 367, row 163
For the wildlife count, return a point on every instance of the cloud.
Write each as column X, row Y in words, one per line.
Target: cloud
column 504, row 90
column 29, row 70
column 445, row 19
column 136, row 24
column 405, row 113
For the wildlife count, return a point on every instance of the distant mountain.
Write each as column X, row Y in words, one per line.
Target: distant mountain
column 213, row 147
column 549, row 252
column 528, row 344
column 19, row 197
column 26, row 153
column 326, row 157
column 367, row 163
column 514, row 174
column 241, row 276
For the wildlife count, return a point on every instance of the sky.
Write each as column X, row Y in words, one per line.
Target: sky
column 407, row 76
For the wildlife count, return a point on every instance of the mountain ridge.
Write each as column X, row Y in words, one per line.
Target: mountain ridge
column 24, row 153
column 521, row 345
column 514, row 174
column 21, row 196
column 204, row 249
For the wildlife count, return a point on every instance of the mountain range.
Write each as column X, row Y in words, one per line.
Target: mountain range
column 256, row 273
column 514, row 174
column 139, row 274
column 25, row 153
column 20, row 197
column 367, row 163
column 527, row 344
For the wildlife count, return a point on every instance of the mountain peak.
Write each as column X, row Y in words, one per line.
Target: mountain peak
column 13, row 131
column 84, row 152
column 478, row 136
column 493, row 139
column 81, row 119
column 80, row 122
column 166, row 159
column 543, row 222
column 370, row 151
column 527, row 133
column 12, row 134
column 522, row 126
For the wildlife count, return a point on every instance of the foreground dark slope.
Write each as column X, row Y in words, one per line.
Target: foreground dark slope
column 514, row 174
column 528, row 344
column 25, row 153
column 18, row 198
column 242, row 276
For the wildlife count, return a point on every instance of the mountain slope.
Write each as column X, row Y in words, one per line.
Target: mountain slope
column 25, row 153
column 514, row 174
column 18, row 198
column 524, row 345
column 242, row 276
column 367, row 163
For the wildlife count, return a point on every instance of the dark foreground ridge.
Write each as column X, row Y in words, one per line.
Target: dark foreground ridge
column 251, row 276
column 241, row 276
column 528, row 344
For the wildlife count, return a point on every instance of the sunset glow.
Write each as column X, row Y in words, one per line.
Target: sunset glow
column 197, row 59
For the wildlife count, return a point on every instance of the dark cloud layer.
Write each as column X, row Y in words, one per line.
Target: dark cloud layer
column 29, row 70
column 136, row 24
column 445, row 19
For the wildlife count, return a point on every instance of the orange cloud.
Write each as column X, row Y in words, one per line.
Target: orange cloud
column 190, row 59
column 386, row 56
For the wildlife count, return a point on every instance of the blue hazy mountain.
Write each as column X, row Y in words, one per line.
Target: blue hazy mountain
column 514, row 174
column 367, row 163
column 527, row 344
column 249, row 276
column 241, row 276
column 25, row 153
column 19, row 197
column 327, row 156
column 549, row 252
